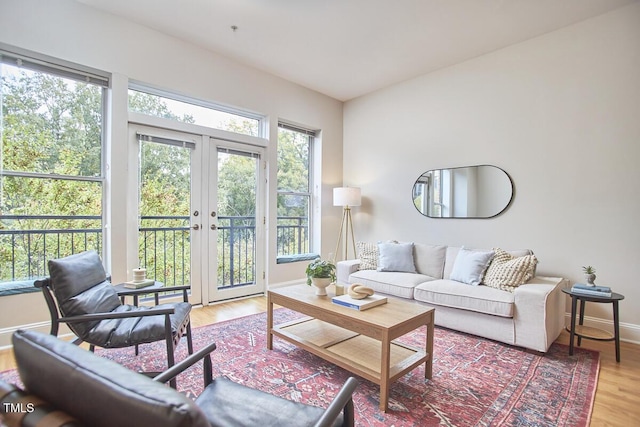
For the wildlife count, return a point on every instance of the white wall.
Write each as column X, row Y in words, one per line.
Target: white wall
column 74, row 32
column 560, row 113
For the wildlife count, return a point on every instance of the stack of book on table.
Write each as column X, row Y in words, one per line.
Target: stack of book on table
column 596, row 291
column 138, row 284
column 359, row 304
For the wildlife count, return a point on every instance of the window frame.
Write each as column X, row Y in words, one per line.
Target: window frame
column 35, row 62
column 312, row 138
column 154, row 91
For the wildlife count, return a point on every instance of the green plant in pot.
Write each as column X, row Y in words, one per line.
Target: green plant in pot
column 320, row 273
column 589, row 274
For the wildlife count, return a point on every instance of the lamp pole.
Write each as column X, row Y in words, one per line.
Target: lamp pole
column 346, row 197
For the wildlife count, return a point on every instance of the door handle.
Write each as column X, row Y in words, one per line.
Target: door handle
column 196, row 227
column 213, row 227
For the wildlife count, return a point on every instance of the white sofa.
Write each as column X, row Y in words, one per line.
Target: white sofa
column 532, row 316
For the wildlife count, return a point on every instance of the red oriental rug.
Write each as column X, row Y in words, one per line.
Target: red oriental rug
column 476, row 382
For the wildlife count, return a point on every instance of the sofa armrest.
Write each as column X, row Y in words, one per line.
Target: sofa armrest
column 539, row 312
column 345, row 268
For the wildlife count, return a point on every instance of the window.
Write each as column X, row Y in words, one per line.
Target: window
column 171, row 106
column 294, row 191
column 51, row 165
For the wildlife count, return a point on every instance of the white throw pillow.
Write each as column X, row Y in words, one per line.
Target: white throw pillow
column 396, row 257
column 469, row 266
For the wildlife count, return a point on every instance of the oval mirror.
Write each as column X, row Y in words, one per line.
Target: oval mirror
column 482, row 191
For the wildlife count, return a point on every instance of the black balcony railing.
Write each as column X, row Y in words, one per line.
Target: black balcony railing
column 27, row 242
column 165, row 252
column 164, row 248
column 292, row 235
column 236, row 249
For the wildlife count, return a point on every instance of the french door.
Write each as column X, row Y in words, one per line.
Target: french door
column 235, row 187
column 198, row 213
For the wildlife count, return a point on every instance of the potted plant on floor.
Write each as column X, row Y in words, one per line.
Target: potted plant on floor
column 320, row 273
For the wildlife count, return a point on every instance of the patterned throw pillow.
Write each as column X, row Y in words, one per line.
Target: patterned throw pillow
column 507, row 272
column 368, row 255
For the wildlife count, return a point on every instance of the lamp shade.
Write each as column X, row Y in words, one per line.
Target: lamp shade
column 346, row 196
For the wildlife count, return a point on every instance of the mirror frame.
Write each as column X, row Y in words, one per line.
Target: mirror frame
column 507, row 205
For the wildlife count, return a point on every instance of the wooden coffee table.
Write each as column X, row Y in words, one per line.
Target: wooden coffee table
column 358, row 341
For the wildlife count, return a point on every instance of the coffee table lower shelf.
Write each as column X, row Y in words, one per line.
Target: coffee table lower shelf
column 354, row 352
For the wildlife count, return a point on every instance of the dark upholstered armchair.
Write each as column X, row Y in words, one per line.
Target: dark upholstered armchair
column 91, row 308
column 79, row 388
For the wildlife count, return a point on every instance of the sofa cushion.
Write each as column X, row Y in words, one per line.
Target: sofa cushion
column 507, row 272
column 429, row 259
column 469, row 266
column 367, row 253
column 392, row 283
column 396, row 257
column 450, row 259
column 481, row 299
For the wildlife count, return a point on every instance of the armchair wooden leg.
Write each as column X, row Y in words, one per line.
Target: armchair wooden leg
column 171, row 360
column 189, row 339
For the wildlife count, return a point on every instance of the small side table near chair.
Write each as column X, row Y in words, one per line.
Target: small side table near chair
column 587, row 332
column 123, row 291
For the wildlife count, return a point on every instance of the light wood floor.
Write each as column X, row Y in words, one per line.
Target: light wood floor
column 617, row 400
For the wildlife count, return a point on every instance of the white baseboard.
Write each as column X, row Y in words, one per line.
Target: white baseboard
column 44, row 327
column 5, row 333
column 289, row 283
column 628, row 331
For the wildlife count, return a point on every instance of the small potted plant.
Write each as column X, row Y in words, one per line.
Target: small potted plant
column 321, row 273
column 589, row 275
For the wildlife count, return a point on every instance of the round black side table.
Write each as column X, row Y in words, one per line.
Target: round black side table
column 123, row 291
column 587, row 332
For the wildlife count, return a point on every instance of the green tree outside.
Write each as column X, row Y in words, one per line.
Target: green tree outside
column 50, row 125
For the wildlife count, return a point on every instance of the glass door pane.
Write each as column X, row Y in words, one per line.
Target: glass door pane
column 238, row 241
column 166, row 208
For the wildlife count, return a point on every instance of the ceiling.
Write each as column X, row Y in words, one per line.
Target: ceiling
column 347, row 48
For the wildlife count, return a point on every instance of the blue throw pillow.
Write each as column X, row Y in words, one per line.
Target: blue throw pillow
column 396, row 257
column 469, row 266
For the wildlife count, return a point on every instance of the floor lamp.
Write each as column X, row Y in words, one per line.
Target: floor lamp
column 346, row 197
